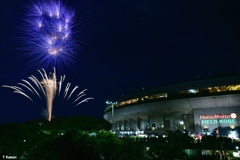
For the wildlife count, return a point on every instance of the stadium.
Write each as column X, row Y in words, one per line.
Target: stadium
column 204, row 106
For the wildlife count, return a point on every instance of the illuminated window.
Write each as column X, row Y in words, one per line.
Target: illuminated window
column 224, row 88
column 193, row 91
column 212, row 89
column 128, row 102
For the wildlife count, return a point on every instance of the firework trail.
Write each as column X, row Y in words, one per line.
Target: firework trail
column 49, row 29
column 47, row 88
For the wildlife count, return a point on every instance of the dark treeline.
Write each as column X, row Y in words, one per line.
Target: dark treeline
column 89, row 138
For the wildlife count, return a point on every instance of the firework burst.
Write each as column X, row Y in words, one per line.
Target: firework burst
column 49, row 29
column 47, row 88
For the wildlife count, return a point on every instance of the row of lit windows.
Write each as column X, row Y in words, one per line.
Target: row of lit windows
column 130, row 101
column 212, row 89
column 135, row 100
column 190, row 91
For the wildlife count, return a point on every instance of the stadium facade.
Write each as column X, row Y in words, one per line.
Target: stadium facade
column 201, row 107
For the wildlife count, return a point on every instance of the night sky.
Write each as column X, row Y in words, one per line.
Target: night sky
column 130, row 44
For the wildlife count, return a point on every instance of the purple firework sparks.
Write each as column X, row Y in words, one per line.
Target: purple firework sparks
column 49, row 30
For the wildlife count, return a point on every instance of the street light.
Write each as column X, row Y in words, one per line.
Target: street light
column 181, row 122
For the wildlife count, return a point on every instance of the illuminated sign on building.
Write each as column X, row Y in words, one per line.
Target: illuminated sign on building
column 221, row 121
column 217, row 116
column 218, row 119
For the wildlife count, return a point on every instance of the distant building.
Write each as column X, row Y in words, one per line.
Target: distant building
column 208, row 106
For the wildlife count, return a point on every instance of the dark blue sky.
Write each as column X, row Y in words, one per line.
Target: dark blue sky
column 131, row 44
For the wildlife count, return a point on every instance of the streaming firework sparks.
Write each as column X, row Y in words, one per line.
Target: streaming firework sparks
column 47, row 88
column 49, row 30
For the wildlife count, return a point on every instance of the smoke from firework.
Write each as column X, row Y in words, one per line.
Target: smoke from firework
column 48, row 30
column 47, row 88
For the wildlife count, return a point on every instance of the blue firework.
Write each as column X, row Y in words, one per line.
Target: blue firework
column 49, row 33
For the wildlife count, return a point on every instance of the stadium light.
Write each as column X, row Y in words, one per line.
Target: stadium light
column 112, row 105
